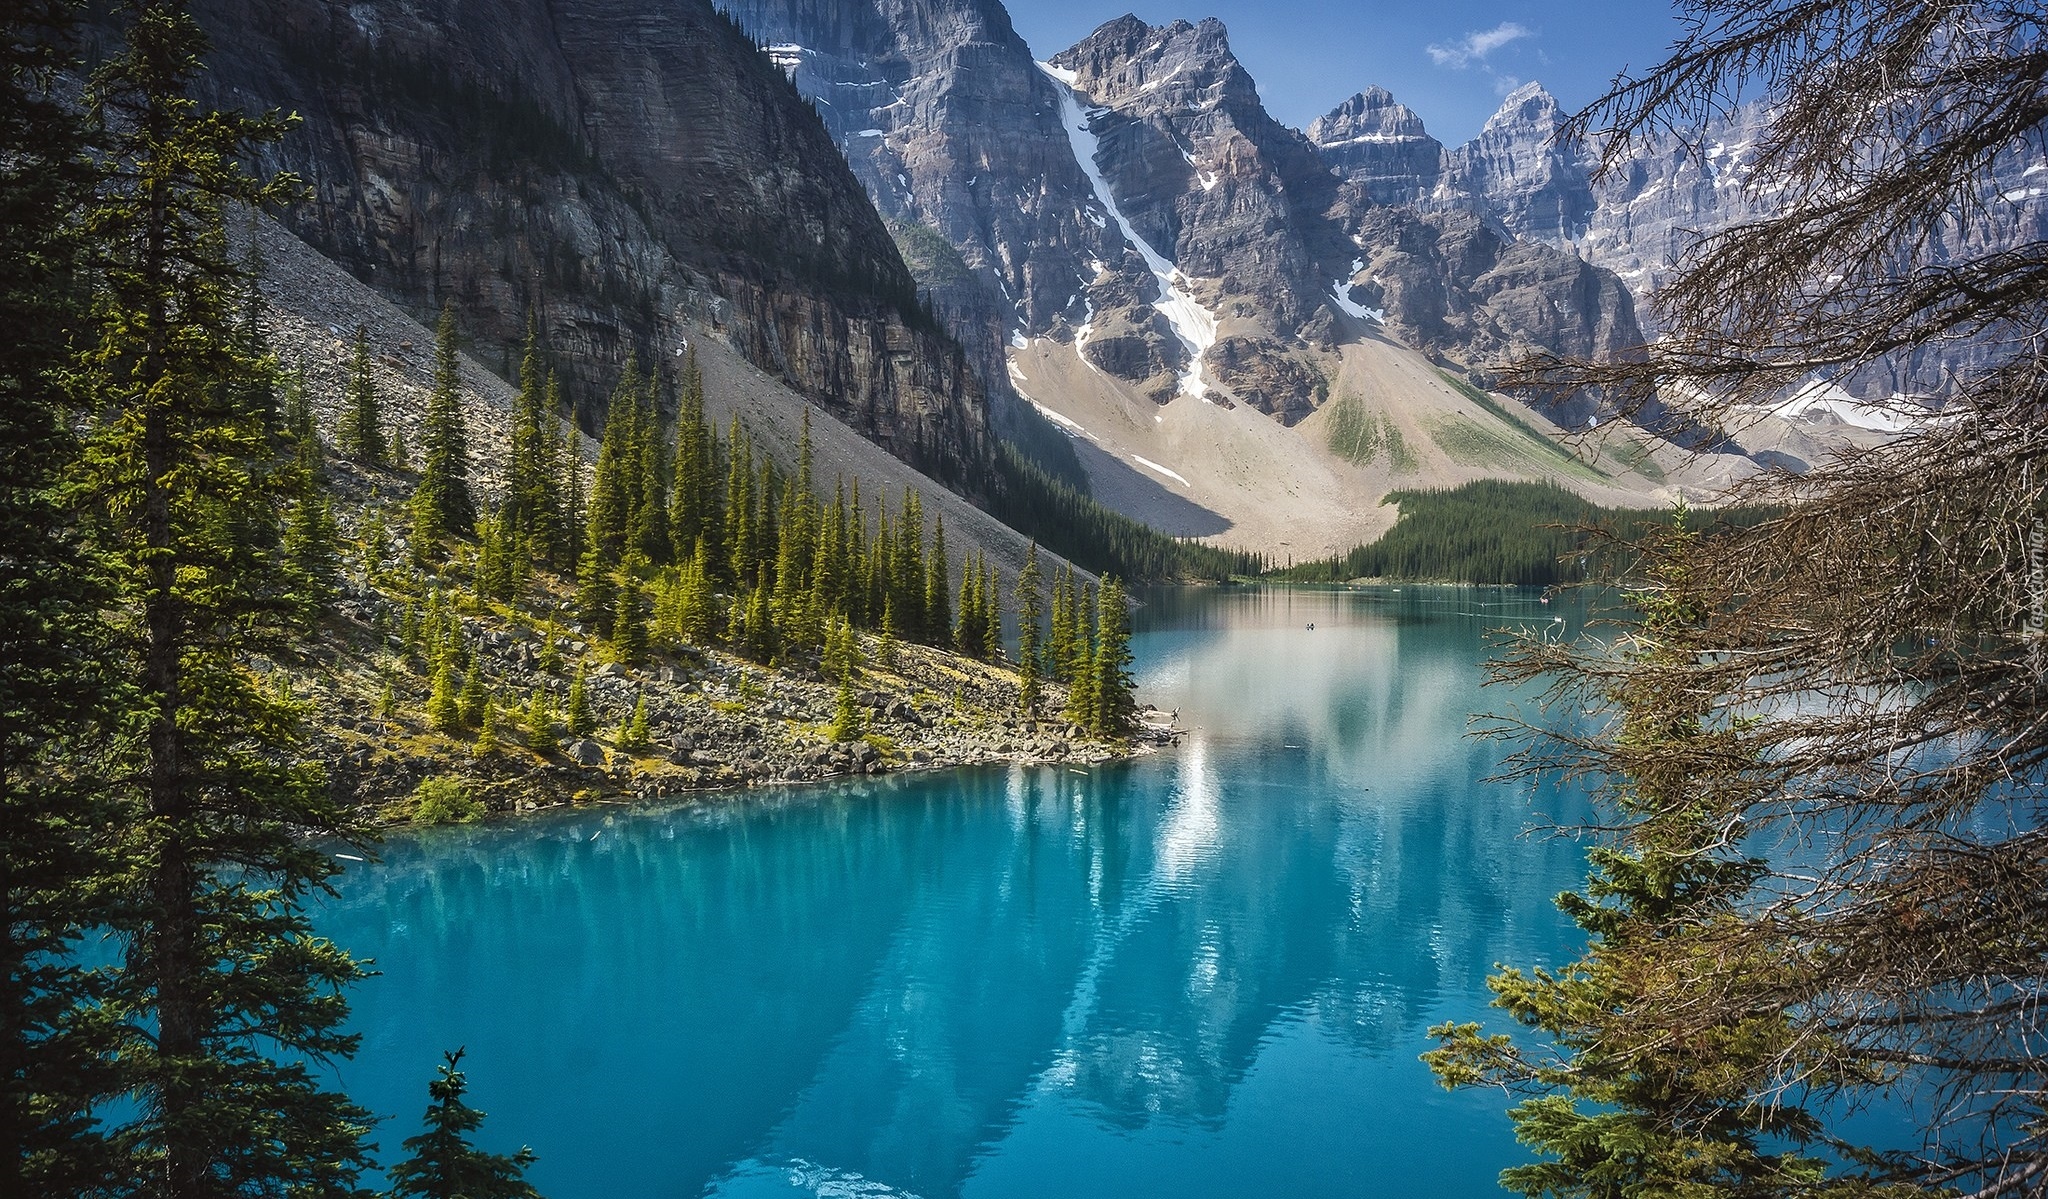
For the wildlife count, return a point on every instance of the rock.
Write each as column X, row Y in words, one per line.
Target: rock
column 585, row 752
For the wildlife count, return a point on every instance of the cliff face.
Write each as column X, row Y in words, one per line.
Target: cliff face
column 1640, row 220
column 618, row 167
column 946, row 119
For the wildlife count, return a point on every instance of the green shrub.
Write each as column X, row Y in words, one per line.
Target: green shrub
column 445, row 801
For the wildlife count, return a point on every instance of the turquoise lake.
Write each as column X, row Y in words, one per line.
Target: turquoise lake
column 1205, row 972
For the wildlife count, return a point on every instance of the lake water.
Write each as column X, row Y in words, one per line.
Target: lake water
column 1207, row 972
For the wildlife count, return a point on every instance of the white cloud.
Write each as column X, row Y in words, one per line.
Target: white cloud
column 1474, row 47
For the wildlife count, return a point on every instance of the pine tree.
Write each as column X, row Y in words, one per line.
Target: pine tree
column 221, row 969
column 475, row 695
column 629, row 625
column 1060, row 646
column 938, row 581
column 614, row 489
column 846, row 721
column 699, row 607
column 362, row 417
column 633, row 735
column 1029, row 609
column 992, row 612
column 57, row 666
column 540, row 717
column 1081, row 709
column 693, row 494
column 487, row 729
column 311, row 546
column 1113, row 708
column 529, row 469
column 596, row 588
column 442, row 505
column 442, row 1164
column 907, row 576
column 967, row 638
column 577, row 715
column 574, row 504
column 739, row 505
column 444, row 709
column 762, row 641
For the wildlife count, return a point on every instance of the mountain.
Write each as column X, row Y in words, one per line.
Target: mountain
column 1639, row 220
column 621, row 168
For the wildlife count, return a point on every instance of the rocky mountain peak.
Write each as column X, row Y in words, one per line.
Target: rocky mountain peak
column 1528, row 106
column 1380, row 144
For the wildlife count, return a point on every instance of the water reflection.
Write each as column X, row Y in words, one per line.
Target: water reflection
column 1206, row 972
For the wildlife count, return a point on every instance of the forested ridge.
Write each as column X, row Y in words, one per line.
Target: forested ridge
column 1498, row 532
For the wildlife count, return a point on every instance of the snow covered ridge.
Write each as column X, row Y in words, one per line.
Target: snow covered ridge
column 1341, row 292
column 1192, row 323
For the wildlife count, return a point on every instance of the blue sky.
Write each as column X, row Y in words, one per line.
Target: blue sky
column 1449, row 60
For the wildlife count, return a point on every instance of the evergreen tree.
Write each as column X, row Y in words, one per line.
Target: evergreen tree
column 487, row 729
column 574, row 504
column 614, row 489
column 739, row 505
column 694, row 493
column 633, row 735
column 1060, row 649
column 846, row 721
column 442, row 505
column 699, row 608
column 1081, row 709
column 760, row 642
column 967, row 636
column 530, row 469
column 540, row 717
column 1029, row 609
column 1112, row 706
column 221, row 969
column 56, row 664
column 311, row 546
column 442, row 1164
column 596, row 588
column 475, row 695
column 444, row 708
column 629, row 625
column 938, row 581
column 577, row 715
column 907, row 575
column 992, row 613
column 362, row 416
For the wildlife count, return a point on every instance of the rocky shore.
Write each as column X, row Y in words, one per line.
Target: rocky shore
column 714, row 720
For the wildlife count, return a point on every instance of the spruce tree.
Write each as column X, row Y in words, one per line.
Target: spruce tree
column 846, row 721
column 362, row 415
column 475, row 695
column 967, row 633
column 1060, row 644
column 529, row 470
column 1029, row 609
column 699, row 607
column 629, row 624
column 224, row 987
column 693, row 493
column 906, row 579
column 992, row 612
column 442, row 504
column 311, row 545
column 577, row 715
column 614, row 489
column 1081, row 708
column 633, row 735
column 440, row 1163
column 738, row 533
column 938, row 581
column 56, row 663
column 1114, row 709
column 444, row 707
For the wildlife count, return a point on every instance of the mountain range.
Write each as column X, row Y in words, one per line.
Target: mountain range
column 1112, row 255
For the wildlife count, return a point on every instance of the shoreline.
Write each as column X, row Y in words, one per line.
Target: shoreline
column 715, row 723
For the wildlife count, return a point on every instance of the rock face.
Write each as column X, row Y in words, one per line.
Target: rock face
column 1638, row 221
column 1379, row 144
column 946, row 119
column 617, row 167
column 1133, row 197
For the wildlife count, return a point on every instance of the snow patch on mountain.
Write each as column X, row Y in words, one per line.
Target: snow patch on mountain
column 1193, row 324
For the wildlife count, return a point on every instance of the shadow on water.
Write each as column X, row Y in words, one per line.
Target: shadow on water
column 1205, row 972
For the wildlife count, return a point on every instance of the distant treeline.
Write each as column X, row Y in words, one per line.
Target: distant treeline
column 1074, row 525
column 1492, row 531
